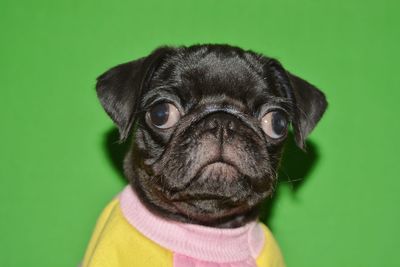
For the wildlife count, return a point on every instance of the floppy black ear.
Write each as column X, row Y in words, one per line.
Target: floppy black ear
column 309, row 103
column 120, row 88
column 310, row 106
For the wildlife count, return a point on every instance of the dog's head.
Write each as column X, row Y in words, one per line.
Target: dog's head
column 209, row 123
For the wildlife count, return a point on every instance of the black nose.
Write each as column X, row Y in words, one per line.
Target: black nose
column 221, row 124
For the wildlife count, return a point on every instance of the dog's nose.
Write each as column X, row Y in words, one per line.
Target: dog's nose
column 221, row 124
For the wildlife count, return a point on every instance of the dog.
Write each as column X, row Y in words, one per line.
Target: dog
column 207, row 125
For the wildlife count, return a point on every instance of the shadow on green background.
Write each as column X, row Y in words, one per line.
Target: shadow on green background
column 56, row 175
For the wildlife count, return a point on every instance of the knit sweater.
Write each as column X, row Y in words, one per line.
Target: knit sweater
column 128, row 234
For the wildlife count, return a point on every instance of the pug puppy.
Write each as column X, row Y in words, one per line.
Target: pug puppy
column 207, row 124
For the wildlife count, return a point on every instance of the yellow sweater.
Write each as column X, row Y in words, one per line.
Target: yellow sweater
column 116, row 243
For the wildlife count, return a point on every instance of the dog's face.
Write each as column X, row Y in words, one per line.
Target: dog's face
column 209, row 126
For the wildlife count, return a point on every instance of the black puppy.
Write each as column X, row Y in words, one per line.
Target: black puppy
column 209, row 123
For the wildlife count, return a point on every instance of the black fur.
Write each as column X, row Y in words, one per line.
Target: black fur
column 221, row 92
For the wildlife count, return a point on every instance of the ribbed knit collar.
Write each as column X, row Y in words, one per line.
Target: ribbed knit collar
column 209, row 244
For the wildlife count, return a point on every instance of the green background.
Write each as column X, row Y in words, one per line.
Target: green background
column 56, row 175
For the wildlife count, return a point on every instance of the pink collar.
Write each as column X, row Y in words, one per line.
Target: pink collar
column 208, row 244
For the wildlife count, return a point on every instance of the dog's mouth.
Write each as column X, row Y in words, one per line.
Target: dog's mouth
column 220, row 170
column 218, row 190
column 207, row 182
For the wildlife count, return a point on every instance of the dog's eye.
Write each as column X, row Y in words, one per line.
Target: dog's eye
column 274, row 124
column 164, row 115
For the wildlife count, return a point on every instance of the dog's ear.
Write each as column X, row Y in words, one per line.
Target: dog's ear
column 120, row 89
column 308, row 102
column 310, row 106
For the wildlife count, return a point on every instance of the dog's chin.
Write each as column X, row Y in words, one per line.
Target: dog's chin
column 217, row 211
column 201, row 211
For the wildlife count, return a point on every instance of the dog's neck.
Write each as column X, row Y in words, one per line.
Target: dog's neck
column 236, row 221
